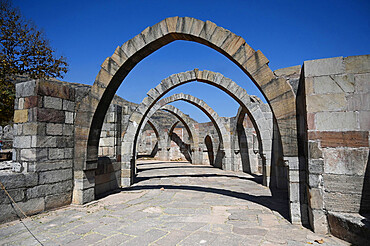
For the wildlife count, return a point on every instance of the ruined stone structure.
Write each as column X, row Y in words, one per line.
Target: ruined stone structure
column 311, row 139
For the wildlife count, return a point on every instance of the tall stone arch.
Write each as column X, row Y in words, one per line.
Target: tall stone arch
column 190, row 128
column 114, row 69
column 129, row 140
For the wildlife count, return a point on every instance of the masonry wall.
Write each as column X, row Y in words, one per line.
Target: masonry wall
column 337, row 98
column 43, row 145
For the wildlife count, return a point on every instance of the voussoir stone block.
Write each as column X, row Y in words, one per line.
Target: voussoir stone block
column 208, row 29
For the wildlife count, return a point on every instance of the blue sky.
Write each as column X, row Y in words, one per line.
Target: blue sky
column 287, row 32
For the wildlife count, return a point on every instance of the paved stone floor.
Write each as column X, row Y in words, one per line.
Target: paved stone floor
column 172, row 204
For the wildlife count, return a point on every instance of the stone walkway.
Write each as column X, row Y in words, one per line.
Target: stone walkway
column 173, row 203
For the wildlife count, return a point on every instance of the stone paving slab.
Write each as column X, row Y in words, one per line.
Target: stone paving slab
column 173, row 203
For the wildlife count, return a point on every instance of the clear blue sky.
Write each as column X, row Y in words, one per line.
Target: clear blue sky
column 287, row 32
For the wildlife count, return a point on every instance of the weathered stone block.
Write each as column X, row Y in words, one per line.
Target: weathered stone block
column 314, row 152
column 343, row 83
column 327, row 121
column 28, row 154
column 329, row 102
column 20, row 116
column 343, row 183
column 333, row 139
column 25, row 89
column 49, row 189
column 53, row 165
column 362, row 82
column 345, row 161
column 68, row 105
column 50, row 115
column 316, row 166
column 53, row 102
column 54, row 129
column 54, row 201
column 22, row 142
column 316, row 198
column 322, row 67
column 69, row 117
column 54, row 89
column 320, row 223
column 342, row 202
column 56, row 154
column 357, row 64
column 55, row 176
column 359, row 102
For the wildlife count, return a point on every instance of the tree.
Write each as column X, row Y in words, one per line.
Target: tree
column 23, row 51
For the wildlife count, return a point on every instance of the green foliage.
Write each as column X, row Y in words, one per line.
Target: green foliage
column 23, row 51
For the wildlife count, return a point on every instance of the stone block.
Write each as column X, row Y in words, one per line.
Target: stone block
column 343, row 183
column 329, row 102
column 322, row 67
column 32, row 206
column 16, row 194
column 316, row 166
column 334, row 121
column 362, row 83
column 54, row 129
column 53, row 102
column 49, row 189
column 320, row 223
column 32, row 101
column 54, row 201
column 342, row 202
column 316, row 198
column 55, row 176
column 314, row 152
column 357, row 64
column 345, row 161
column 343, row 83
column 22, row 142
column 46, row 141
column 359, row 102
column 69, row 117
column 67, row 130
column 53, row 165
column 20, row 116
column 68, row 153
column 314, row 180
column 56, row 153
column 25, row 89
column 18, row 180
column 83, row 196
column 364, row 118
column 55, row 89
column 68, row 105
column 28, row 155
column 354, row 139
column 30, row 128
column 288, row 71
column 50, row 115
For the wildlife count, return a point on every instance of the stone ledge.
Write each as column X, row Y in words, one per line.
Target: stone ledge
column 352, row 227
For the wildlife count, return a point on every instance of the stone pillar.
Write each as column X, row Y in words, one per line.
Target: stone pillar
column 44, row 138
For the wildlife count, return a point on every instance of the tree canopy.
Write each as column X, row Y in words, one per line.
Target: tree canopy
column 23, row 51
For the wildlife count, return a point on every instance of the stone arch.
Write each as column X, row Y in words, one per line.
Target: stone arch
column 129, row 140
column 193, row 135
column 114, row 69
column 156, row 128
column 215, row 79
column 263, row 126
